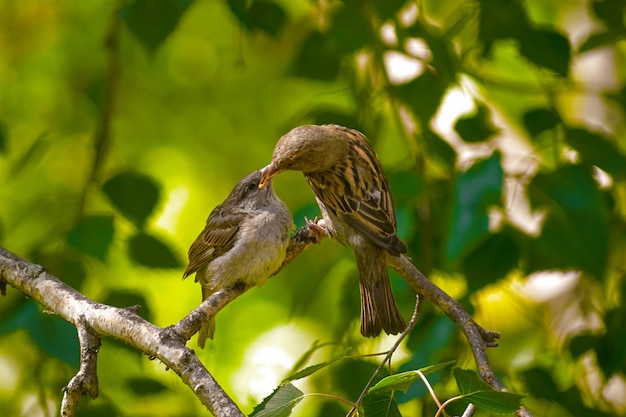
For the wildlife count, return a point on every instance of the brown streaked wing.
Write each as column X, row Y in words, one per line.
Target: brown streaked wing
column 349, row 191
column 217, row 237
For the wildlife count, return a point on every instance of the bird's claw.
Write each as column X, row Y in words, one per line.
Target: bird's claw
column 317, row 228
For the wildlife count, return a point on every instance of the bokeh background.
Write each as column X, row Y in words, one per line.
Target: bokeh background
column 500, row 124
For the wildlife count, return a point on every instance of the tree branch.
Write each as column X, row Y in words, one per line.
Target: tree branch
column 123, row 324
column 94, row 320
column 86, row 380
column 478, row 338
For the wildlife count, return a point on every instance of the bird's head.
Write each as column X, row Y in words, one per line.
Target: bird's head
column 309, row 148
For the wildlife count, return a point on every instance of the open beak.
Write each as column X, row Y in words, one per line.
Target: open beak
column 267, row 174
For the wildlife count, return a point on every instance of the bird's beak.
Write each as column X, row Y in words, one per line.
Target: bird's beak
column 267, row 174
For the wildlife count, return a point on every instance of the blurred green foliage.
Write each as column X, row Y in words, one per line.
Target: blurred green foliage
column 123, row 124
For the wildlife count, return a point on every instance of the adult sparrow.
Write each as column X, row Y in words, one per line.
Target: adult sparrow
column 353, row 195
column 244, row 241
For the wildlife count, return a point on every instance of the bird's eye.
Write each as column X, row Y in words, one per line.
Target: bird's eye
column 252, row 186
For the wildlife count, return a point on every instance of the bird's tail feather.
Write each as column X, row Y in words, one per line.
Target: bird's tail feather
column 378, row 307
column 208, row 330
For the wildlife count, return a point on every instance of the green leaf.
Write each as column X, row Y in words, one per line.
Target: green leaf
column 595, row 149
column 611, row 12
column 145, row 386
column 611, row 347
column 575, row 232
column 423, row 95
column 500, row 19
column 402, row 381
column 153, row 21
column 322, row 116
column 50, row 333
column 314, row 368
column 316, row 59
column 491, row 260
column 134, row 195
column 541, row 384
column 476, row 128
column 93, row 235
column 98, row 408
column 350, row 30
column 279, row 403
column 380, row 405
column 439, row 150
column 597, row 40
column 546, row 48
column 33, row 155
column 3, row 137
column 147, row 250
column 479, row 393
column 582, row 343
column 125, row 299
column 389, row 8
column 436, row 367
column 68, row 267
column 267, row 16
column 475, row 191
column 539, row 120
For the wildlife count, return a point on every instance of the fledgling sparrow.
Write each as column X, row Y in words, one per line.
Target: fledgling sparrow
column 244, row 241
column 353, row 195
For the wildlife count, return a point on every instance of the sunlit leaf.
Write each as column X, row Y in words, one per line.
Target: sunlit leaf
column 475, row 191
column 93, row 235
column 134, row 195
column 477, row 127
column 380, row 405
column 149, row 251
column 153, row 21
column 279, row 403
column 314, row 368
column 479, row 393
column 402, row 381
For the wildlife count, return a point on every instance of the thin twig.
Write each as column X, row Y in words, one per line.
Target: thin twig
column 387, row 358
column 430, row 389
